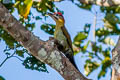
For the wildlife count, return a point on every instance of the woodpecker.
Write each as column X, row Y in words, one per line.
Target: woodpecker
column 61, row 34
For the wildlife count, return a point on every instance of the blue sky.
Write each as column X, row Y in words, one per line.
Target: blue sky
column 75, row 19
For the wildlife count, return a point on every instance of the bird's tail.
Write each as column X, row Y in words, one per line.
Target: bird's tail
column 73, row 62
column 70, row 56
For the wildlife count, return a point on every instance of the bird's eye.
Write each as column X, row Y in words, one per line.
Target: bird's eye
column 57, row 15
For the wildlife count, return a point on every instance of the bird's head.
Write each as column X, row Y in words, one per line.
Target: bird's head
column 58, row 18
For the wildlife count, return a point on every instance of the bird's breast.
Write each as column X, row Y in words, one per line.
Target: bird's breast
column 58, row 34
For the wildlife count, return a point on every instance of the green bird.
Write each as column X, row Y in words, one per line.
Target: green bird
column 61, row 34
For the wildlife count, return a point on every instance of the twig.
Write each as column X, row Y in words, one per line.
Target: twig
column 4, row 61
column 18, row 58
column 94, row 23
column 94, row 26
column 95, row 55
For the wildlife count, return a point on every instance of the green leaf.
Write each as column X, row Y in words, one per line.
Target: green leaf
column 85, row 46
column 107, row 52
column 24, row 7
column 102, row 73
column 112, row 18
column 48, row 28
column 106, row 63
column 84, row 6
column 44, row 5
column 38, row 18
column 90, row 66
column 103, row 31
column 79, row 37
column 112, row 9
column 87, row 28
column 20, row 53
column 9, row 40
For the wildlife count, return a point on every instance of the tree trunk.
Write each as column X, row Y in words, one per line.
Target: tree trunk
column 45, row 51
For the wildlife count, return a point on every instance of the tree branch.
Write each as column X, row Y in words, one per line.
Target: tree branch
column 106, row 3
column 45, row 51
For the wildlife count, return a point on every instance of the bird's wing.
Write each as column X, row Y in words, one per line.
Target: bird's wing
column 65, row 32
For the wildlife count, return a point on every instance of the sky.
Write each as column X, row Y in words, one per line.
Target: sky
column 75, row 19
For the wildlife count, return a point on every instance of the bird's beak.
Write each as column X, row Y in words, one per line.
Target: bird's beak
column 53, row 16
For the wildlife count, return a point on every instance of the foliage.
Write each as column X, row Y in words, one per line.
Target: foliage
column 97, row 53
column 23, row 7
column 34, row 64
column 48, row 28
column 1, row 78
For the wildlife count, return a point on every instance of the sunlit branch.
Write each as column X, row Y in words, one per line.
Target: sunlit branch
column 106, row 3
column 94, row 27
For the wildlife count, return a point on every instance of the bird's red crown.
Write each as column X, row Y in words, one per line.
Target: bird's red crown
column 58, row 13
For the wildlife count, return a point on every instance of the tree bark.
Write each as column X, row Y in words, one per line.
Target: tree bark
column 106, row 3
column 116, row 61
column 45, row 51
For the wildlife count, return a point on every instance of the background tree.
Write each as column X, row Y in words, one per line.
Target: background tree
column 97, row 52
